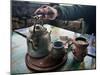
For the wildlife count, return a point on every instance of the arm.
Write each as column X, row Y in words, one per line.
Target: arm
column 70, row 13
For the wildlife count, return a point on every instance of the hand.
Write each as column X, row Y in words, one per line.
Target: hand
column 47, row 12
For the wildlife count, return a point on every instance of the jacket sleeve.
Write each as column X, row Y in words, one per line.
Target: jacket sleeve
column 70, row 12
column 74, row 12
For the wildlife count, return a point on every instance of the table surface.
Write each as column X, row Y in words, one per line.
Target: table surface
column 19, row 50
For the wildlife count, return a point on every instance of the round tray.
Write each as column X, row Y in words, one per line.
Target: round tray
column 43, row 64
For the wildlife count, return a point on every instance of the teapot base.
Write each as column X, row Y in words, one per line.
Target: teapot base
column 43, row 64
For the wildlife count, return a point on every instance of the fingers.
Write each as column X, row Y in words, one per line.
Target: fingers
column 38, row 11
column 41, row 10
column 44, row 6
column 47, row 12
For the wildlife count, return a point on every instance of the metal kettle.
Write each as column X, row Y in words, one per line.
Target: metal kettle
column 39, row 43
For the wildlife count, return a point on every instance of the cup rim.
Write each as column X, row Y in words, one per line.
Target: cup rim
column 59, row 46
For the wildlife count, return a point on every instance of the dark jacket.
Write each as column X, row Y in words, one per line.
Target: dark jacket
column 76, row 12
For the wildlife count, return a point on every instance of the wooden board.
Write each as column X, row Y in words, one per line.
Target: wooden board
column 44, row 64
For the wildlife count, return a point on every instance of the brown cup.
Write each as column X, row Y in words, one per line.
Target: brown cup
column 80, row 49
